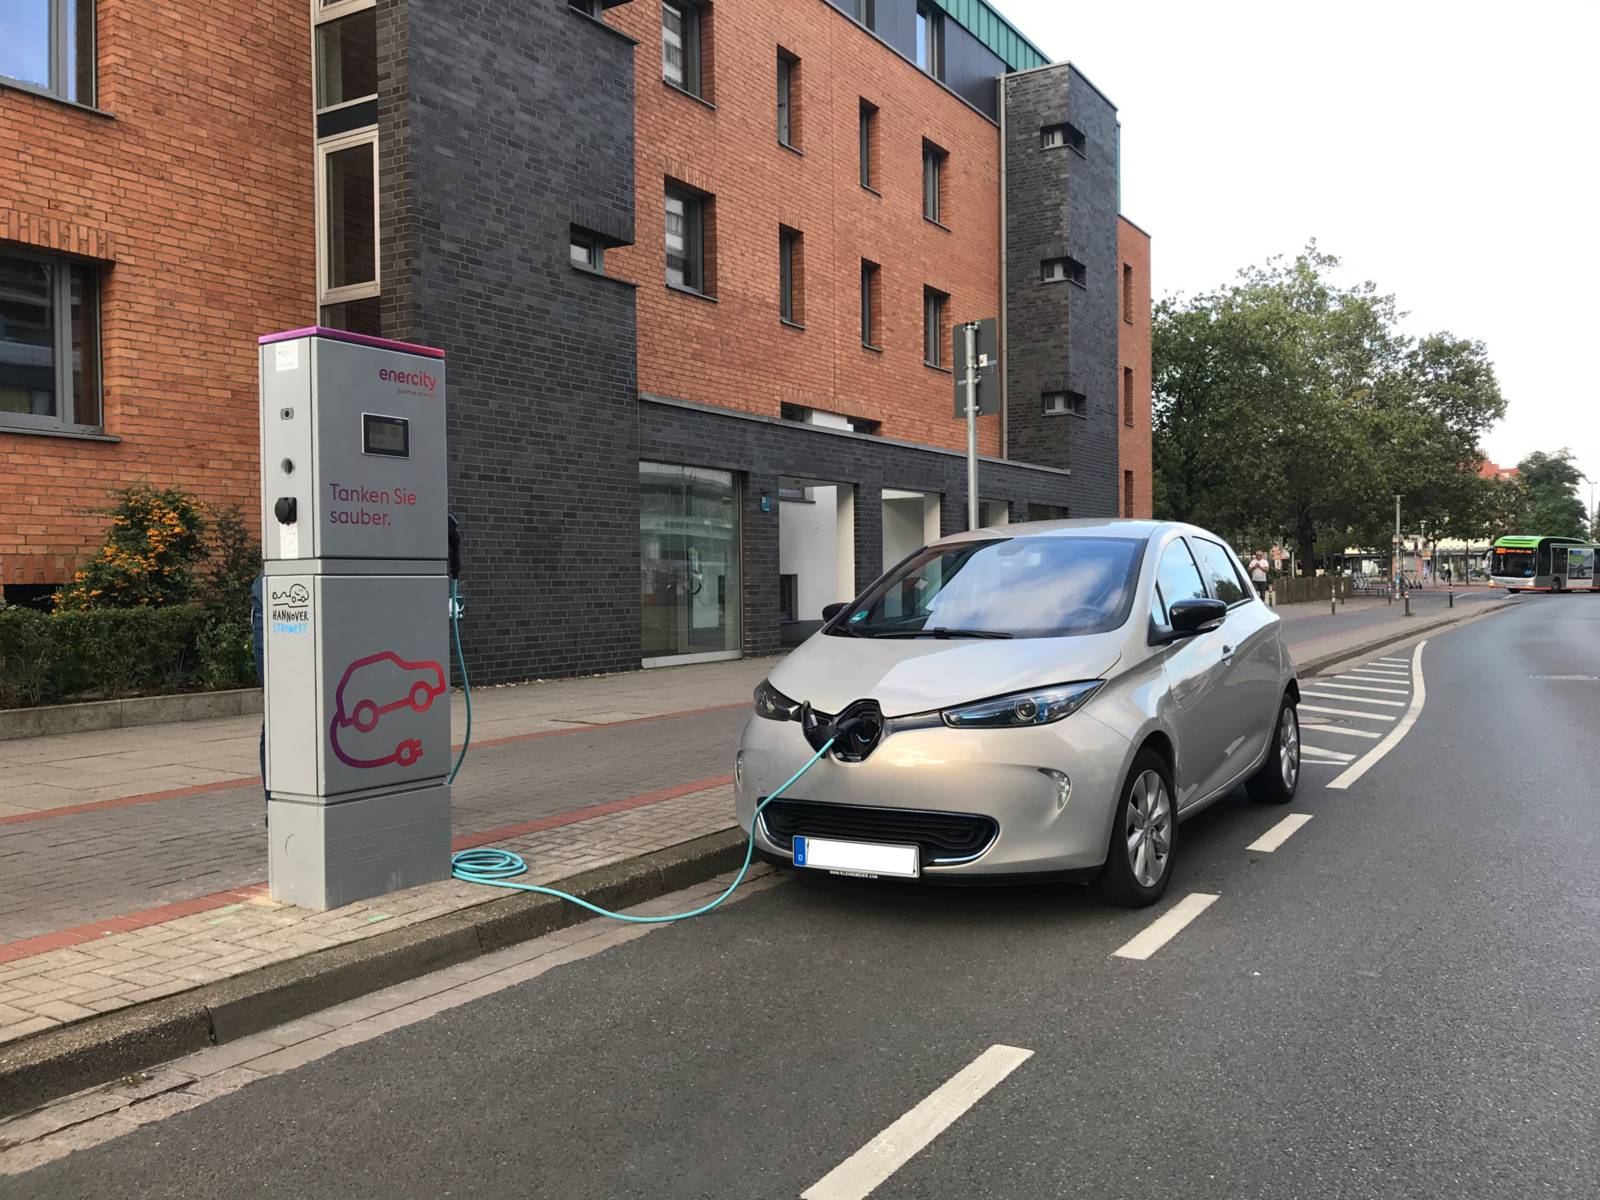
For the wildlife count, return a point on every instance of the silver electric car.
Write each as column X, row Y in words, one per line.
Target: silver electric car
column 1040, row 700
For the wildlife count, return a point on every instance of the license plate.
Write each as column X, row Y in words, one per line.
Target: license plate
column 856, row 858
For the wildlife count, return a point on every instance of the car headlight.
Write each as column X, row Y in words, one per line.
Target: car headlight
column 1022, row 709
column 774, row 705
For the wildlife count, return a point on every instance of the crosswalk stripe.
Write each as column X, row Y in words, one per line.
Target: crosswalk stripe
column 1312, row 727
column 1318, row 754
column 1349, row 699
column 1345, row 712
column 1363, row 687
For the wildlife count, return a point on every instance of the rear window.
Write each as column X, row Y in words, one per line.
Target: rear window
column 1016, row 587
column 1222, row 577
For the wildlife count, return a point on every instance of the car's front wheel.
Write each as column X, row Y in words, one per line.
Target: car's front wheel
column 1143, row 837
column 1279, row 777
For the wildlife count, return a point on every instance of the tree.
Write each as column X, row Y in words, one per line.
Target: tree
column 1288, row 404
column 1551, row 506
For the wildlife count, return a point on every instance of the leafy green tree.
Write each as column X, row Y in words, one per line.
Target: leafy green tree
column 1286, row 404
column 1551, row 506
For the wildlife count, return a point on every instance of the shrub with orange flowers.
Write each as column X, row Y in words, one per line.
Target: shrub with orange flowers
column 157, row 537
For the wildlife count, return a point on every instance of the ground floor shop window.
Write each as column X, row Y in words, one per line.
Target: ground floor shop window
column 689, row 577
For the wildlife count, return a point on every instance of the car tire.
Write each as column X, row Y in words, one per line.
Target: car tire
column 1126, row 879
column 1279, row 777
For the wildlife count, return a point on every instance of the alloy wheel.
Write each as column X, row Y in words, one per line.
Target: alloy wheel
column 1289, row 747
column 1149, row 828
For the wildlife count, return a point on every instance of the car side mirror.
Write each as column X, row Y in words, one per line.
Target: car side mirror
column 1190, row 617
column 830, row 611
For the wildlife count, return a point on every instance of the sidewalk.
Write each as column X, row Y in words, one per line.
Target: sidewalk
column 113, row 894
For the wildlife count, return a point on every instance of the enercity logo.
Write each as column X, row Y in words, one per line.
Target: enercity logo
column 419, row 379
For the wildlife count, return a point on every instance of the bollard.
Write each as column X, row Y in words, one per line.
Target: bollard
column 1450, row 598
column 1407, row 597
column 1333, row 606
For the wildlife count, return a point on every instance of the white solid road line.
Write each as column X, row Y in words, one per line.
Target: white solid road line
column 1372, row 677
column 1362, row 687
column 1342, row 712
column 1166, row 927
column 1347, row 698
column 1313, row 727
column 1279, row 833
column 1371, row 758
column 1318, row 754
column 885, row 1154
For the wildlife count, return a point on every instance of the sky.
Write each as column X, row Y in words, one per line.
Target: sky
column 1446, row 151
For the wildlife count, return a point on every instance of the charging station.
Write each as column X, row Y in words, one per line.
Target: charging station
column 356, row 623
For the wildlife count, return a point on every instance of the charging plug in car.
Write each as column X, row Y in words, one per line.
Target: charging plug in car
column 853, row 732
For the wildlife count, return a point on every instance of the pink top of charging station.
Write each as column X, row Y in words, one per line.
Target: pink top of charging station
column 344, row 335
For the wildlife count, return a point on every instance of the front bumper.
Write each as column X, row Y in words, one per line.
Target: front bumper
column 996, row 773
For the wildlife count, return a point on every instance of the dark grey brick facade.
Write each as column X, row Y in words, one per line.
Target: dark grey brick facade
column 501, row 127
column 1061, row 336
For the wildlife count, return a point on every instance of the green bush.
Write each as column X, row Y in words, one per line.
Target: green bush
column 227, row 660
column 157, row 536
column 116, row 652
column 27, row 653
column 235, row 563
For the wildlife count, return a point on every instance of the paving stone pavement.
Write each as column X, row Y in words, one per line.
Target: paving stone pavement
column 123, row 968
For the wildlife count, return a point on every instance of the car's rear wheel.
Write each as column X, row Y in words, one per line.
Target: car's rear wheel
column 1279, row 777
column 1143, row 837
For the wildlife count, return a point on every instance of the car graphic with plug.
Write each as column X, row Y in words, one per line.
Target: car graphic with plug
column 371, row 689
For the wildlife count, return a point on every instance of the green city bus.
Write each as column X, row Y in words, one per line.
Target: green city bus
column 1543, row 564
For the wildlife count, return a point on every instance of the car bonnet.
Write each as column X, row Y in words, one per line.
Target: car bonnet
column 914, row 675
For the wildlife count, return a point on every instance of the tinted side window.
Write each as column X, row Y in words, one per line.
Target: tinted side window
column 1216, row 563
column 1177, row 579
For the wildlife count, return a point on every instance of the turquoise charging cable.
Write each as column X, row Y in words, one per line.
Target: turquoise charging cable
column 466, row 688
column 497, row 867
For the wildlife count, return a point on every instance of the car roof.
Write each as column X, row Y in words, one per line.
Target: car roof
column 1073, row 527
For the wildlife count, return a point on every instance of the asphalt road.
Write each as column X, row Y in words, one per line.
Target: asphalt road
column 1401, row 1000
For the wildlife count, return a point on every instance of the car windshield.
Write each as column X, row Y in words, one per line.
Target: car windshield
column 1024, row 587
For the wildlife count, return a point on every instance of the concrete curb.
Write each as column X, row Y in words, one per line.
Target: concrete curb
column 16, row 723
column 35, row 1070
column 1322, row 663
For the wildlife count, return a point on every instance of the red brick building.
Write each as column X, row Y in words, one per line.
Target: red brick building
column 155, row 212
column 1133, row 357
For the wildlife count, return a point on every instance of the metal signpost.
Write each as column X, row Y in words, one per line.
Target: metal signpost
column 977, row 390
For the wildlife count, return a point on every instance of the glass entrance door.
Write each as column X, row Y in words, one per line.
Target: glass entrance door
column 688, row 564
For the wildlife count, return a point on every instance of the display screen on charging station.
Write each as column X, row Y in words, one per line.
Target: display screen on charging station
column 389, row 436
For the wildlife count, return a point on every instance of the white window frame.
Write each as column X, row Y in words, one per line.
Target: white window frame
column 354, row 291
column 325, row 14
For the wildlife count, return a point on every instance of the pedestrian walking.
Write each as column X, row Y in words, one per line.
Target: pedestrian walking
column 1258, row 568
column 1447, row 574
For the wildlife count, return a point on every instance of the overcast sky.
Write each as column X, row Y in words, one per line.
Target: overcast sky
column 1446, row 151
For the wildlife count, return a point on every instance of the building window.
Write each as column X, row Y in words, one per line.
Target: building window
column 1047, row 512
column 346, row 53
column 1127, row 293
column 1127, row 396
column 587, row 251
column 864, row 11
column 589, row 8
column 690, row 597
column 869, row 304
column 51, row 47
column 788, row 100
column 869, row 139
column 1059, row 404
column 791, row 276
column 933, row 310
column 680, row 45
column 49, row 342
column 930, row 39
column 357, row 316
column 687, row 212
column 347, row 176
column 1054, row 270
column 1054, row 137
column 933, row 173
column 1127, row 493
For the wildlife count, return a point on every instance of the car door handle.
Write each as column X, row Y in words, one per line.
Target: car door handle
column 1227, row 652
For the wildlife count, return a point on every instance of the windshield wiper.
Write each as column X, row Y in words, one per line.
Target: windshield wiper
column 939, row 631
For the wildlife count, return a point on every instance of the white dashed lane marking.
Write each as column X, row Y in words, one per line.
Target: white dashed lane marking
column 1279, row 833
column 1166, row 927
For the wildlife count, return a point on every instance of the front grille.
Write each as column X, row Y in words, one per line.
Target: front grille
column 941, row 836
